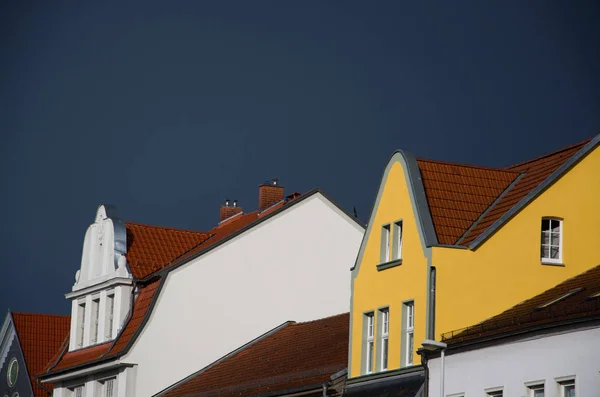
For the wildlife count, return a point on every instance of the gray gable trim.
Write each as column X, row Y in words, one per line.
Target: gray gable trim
column 417, row 198
column 588, row 148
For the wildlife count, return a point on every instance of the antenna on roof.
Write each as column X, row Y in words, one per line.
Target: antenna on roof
column 355, row 214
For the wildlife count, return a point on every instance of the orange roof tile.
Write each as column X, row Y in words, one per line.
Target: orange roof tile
column 464, row 200
column 296, row 355
column 40, row 336
column 530, row 313
column 152, row 248
column 64, row 360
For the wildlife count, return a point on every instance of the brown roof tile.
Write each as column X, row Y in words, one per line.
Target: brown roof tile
column 459, row 195
column 40, row 336
column 299, row 354
column 529, row 314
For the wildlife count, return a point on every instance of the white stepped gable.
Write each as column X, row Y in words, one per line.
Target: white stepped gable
column 104, row 249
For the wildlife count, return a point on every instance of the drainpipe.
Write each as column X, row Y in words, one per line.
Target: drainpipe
column 432, row 282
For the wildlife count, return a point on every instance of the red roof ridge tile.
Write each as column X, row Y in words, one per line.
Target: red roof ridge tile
column 480, row 167
column 40, row 314
column 174, row 229
column 319, row 319
column 558, row 151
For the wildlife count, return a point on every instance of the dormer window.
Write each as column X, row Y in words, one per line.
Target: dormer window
column 80, row 323
column 95, row 318
column 551, row 246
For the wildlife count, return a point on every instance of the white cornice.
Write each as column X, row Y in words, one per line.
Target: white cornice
column 86, row 371
column 98, row 287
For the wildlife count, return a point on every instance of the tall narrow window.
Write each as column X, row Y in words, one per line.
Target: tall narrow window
column 95, row 313
column 369, row 343
column 536, row 391
column 551, row 247
column 80, row 324
column 109, row 322
column 397, row 248
column 385, row 244
column 106, row 388
column 78, row 391
column 385, row 330
column 567, row 388
column 410, row 327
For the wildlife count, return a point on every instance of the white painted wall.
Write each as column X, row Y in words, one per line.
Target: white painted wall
column 295, row 266
column 513, row 365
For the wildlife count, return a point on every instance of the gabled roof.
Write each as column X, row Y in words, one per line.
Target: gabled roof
column 153, row 252
column 40, row 336
column 467, row 202
column 293, row 356
column 571, row 301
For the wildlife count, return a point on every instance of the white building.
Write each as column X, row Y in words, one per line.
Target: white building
column 152, row 305
column 546, row 346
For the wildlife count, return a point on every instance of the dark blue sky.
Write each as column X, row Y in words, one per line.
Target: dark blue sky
column 167, row 108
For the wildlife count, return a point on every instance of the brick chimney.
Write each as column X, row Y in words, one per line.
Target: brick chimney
column 229, row 209
column 269, row 193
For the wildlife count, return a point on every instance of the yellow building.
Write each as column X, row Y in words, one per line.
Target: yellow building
column 449, row 245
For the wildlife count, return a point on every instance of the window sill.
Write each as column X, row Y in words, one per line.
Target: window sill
column 549, row 263
column 388, row 265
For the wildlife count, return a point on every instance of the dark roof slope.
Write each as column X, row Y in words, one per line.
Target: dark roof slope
column 465, row 201
column 296, row 355
column 575, row 299
column 40, row 336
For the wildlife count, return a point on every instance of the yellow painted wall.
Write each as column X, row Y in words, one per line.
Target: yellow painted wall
column 373, row 289
column 506, row 269
column 474, row 285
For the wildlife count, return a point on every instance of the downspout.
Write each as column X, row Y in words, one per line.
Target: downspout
column 37, row 380
column 432, row 283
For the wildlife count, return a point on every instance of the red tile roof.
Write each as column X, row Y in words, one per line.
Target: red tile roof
column 527, row 315
column 297, row 355
column 459, row 195
column 40, row 336
column 63, row 360
column 150, row 250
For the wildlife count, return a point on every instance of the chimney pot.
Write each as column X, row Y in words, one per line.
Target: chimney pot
column 227, row 210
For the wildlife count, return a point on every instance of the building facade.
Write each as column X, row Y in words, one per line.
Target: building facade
column 146, row 296
column 546, row 346
column 442, row 236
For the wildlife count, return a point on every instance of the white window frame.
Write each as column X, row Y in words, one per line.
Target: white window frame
column 81, row 306
column 104, row 386
column 77, row 391
column 495, row 392
column 549, row 246
column 110, row 316
column 565, row 382
column 95, row 320
column 385, row 331
column 398, row 228
column 410, row 332
column 532, row 388
column 370, row 317
column 387, row 254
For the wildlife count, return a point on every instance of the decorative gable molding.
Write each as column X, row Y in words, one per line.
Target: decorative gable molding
column 104, row 249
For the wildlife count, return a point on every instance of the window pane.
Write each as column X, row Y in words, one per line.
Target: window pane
column 370, row 357
column 384, row 354
column 545, row 238
column 554, row 252
column 409, row 354
column 570, row 391
column 555, row 226
column 538, row 393
column 555, row 239
column 545, row 224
